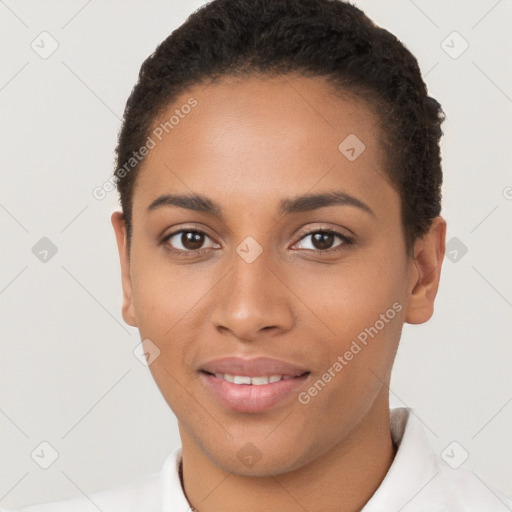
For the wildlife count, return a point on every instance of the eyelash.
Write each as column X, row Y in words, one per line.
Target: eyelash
column 347, row 241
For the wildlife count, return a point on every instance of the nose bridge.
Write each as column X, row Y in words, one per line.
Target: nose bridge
column 251, row 298
column 250, row 272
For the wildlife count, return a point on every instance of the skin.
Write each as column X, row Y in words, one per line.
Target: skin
column 247, row 145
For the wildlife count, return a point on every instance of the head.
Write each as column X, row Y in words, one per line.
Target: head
column 286, row 205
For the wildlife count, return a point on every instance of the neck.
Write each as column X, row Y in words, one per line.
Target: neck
column 343, row 478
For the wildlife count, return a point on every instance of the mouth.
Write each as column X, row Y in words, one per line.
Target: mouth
column 252, row 394
column 254, row 381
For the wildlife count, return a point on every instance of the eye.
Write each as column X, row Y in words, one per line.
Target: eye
column 322, row 240
column 187, row 241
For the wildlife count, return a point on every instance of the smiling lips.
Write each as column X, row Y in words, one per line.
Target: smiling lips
column 254, row 381
column 252, row 385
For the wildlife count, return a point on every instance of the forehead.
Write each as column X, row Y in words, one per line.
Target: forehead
column 262, row 138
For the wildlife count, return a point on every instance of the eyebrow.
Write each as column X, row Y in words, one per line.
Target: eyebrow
column 288, row 206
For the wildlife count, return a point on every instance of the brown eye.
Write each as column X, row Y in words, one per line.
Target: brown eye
column 322, row 240
column 192, row 240
column 325, row 241
column 188, row 241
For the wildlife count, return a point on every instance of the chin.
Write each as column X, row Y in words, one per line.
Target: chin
column 256, row 459
column 263, row 468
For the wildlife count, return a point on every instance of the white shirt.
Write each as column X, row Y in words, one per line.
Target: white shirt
column 418, row 480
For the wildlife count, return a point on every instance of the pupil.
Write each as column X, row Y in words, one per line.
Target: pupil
column 192, row 240
column 322, row 241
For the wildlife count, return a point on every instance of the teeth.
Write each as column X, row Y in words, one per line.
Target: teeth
column 255, row 381
column 238, row 379
column 258, row 381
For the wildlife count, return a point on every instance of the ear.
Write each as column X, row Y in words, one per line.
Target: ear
column 425, row 273
column 122, row 245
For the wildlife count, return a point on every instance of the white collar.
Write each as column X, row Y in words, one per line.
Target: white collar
column 413, row 467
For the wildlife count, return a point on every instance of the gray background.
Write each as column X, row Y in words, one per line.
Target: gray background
column 68, row 373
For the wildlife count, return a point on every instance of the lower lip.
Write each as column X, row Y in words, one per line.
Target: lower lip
column 249, row 397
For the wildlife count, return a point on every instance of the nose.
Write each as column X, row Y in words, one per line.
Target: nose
column 251, row 301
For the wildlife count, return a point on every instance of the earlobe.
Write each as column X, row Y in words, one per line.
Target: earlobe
column 426, row 272
column 122, row 245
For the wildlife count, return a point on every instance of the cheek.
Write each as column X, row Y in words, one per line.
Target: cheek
column 359, row 309
column 168, row 302
column 165, row 298
column 164, row 294
column 350, row 296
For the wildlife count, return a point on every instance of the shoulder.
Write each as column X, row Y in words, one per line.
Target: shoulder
column 421, row 480
column 158, row 491
column 141, row 495
column 462, row 490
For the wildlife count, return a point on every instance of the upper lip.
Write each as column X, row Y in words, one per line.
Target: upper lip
column 253, row 367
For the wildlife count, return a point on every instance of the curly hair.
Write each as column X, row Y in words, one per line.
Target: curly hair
column 331, row 39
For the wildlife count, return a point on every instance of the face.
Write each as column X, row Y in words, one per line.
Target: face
column 256, row 269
